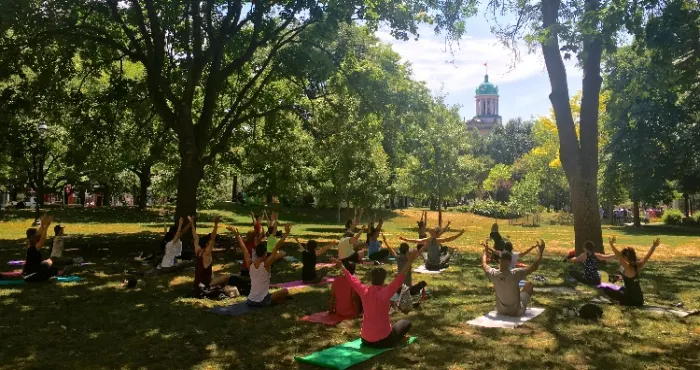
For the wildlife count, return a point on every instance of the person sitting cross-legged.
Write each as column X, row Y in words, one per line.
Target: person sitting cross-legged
column 377, row 330
column 589, row 259
column 510, row 300
column 260, row 295
column 437, row 256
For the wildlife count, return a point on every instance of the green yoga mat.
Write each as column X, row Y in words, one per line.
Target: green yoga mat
column 11, row 282
column 60, row 279
column 344, row 356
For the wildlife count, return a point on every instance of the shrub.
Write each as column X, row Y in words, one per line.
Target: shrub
column 673, row 217
column 491, row 208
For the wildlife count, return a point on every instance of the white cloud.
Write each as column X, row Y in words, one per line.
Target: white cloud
column 462, row 70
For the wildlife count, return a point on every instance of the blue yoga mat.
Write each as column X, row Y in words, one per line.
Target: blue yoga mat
column 11, row 282
column 234, row 310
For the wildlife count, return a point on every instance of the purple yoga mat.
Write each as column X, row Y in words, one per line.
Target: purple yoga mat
column 609, row 286
column 301, row 284
column 16, row 263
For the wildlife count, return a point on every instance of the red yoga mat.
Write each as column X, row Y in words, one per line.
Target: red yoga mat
column 325, row 318
column 15, row 273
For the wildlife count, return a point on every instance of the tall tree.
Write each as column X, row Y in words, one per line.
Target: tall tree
column 208, row 63
column 584, row 29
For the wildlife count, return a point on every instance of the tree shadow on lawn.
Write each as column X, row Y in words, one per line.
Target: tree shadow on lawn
column 300, row 215
column 659, row 230
column 105, row 215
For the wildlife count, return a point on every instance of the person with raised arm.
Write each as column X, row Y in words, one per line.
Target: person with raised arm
column 203, row 248
column 260, row 295
column 589, row 259
column 508, row 247
column 36, row 269
column 257, row 223
column 173, row 248
column 374, row 247
column 631, row 294
column 401, row 261
column 308, row 260
column 377, row 330
column 352, row 223
column 350, row 247
column 437, row 257
column 510, row 300
column 422, row 228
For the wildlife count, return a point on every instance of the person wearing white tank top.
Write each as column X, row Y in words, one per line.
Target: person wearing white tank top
column 260, row 271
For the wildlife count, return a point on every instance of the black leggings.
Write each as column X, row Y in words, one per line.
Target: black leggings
column 379, row 255
column 44, row 274
column 581, row 278
column 416, row 289
column 353, row 258
column 444, row 262
column 398, row 332
column 622, row 298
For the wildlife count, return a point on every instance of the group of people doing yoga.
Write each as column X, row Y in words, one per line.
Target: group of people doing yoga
column 349, row 297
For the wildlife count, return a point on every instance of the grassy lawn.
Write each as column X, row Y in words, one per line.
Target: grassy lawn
column 95, row 324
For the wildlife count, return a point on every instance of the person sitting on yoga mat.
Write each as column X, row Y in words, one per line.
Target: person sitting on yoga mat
column 508, row 247
column 422, row 228
column 260, row 295
column 308, row 260
column 343, row 300
column 169, row 236
column 173, row 250
column 58, row 246
column 510, row 300
column 257, row 223
column 375, row 251
column 272, row 238
column 590, row 274
column 437, row 257
column 351, row 224
column 350, row 248
column 203, row 248
column 401, row 261
column 377, row 330
column 36, row 269
column 252, row 239
column 631, row 294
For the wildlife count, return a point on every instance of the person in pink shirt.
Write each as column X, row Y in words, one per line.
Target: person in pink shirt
column 377, row 330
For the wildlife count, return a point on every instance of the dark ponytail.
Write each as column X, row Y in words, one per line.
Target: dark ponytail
column 631, row 256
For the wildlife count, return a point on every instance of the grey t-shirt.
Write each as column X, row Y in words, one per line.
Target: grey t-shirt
column 433, row 252
column 507, row 287
column 401, row 261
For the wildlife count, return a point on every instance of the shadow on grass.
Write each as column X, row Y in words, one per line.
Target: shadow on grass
column 659, row 230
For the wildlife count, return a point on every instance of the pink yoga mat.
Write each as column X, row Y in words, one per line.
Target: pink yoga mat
column 16, row 263
column 325, row 318
column 609, row 286
column 12, row 273
column 301, row 284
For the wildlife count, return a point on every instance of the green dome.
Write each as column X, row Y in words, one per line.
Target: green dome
column 487, row 88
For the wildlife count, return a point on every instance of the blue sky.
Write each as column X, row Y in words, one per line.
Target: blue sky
column 523, row 84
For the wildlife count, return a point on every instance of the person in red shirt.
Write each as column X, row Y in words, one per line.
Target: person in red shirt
column 257, row 223
column 377, row 330
column 343, row 300
column 252, row 239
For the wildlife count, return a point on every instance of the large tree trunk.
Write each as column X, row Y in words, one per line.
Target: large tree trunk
column 635, row 213
column 144, row 184
column 188, row 179
column 106, row 196
column 234, row 191
column 579, row 157
column 686, row 204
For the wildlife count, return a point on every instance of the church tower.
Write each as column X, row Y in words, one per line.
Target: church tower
column 487, row 113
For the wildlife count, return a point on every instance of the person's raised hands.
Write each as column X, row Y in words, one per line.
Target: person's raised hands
column 612, row 240
column 540, row 246
column 657, row 242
